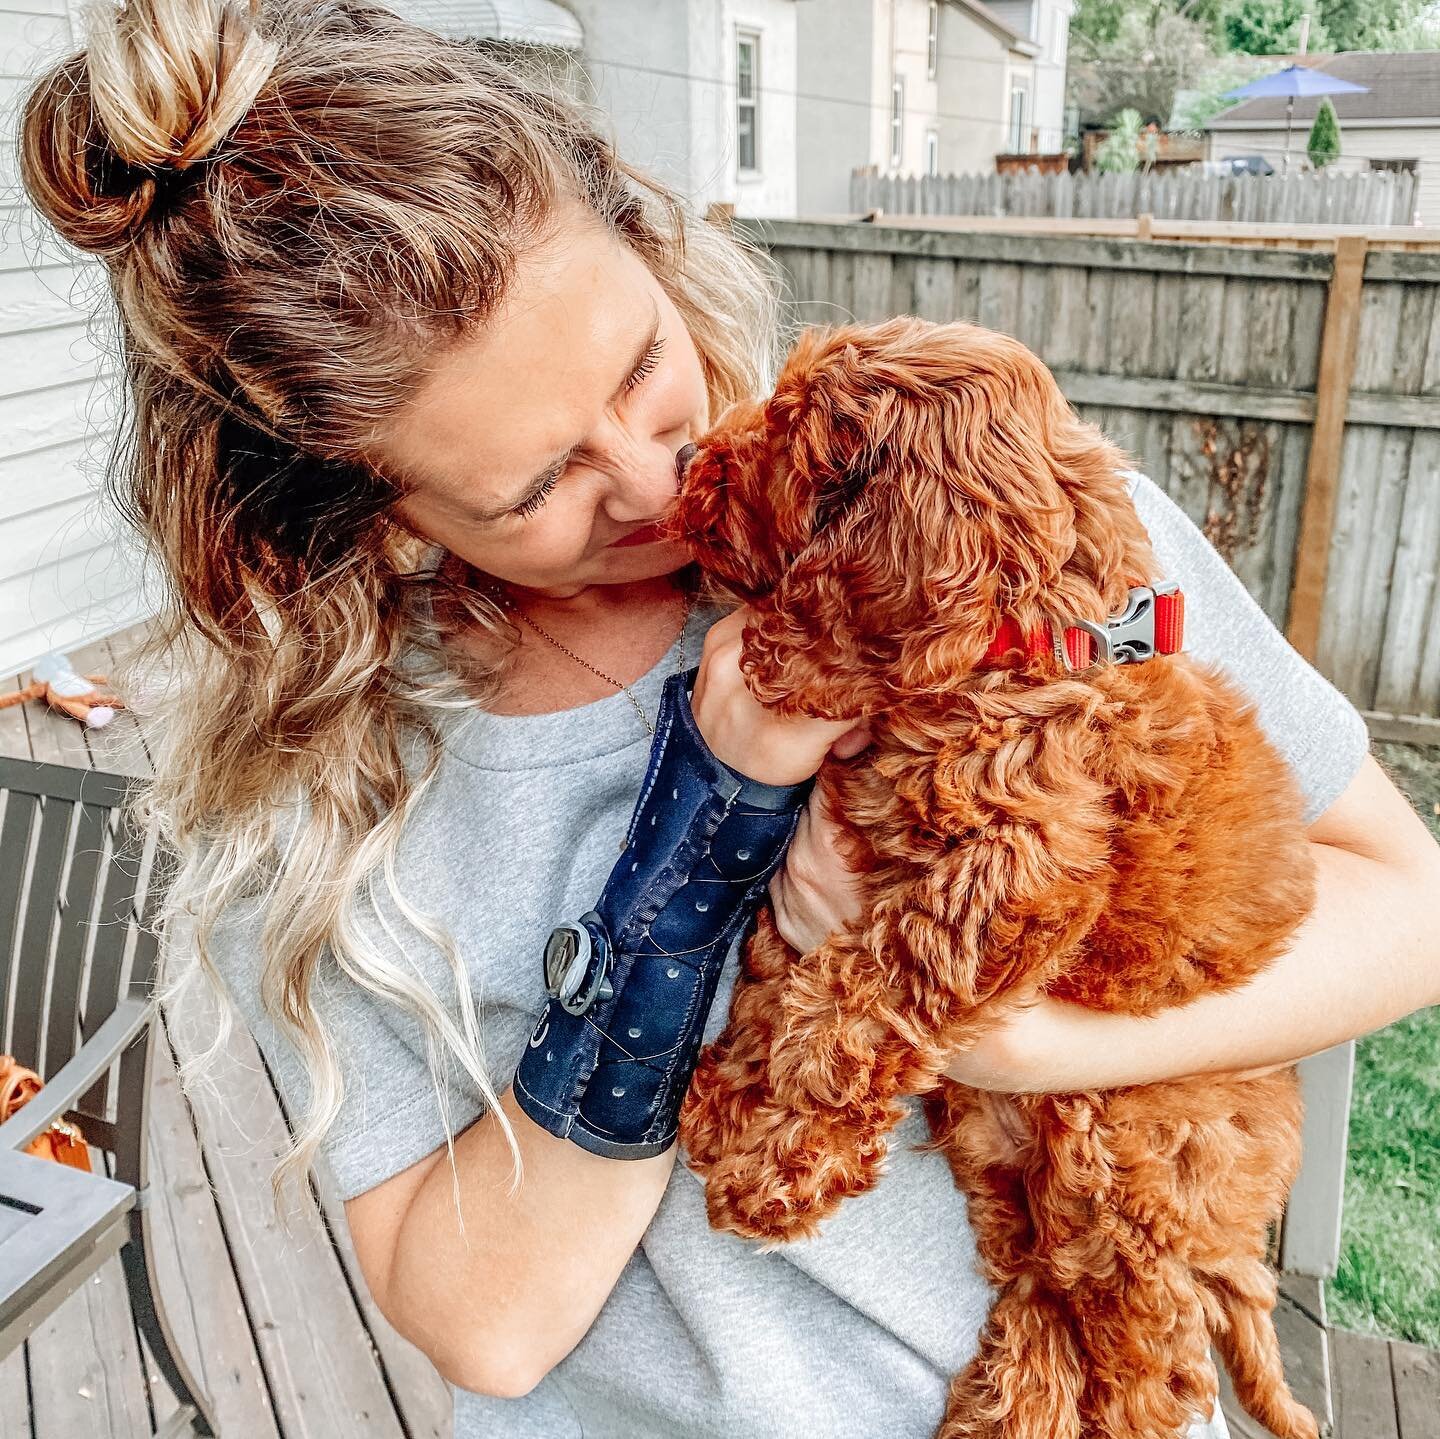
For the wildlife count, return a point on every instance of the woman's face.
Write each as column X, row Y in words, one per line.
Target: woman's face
column 542, row 449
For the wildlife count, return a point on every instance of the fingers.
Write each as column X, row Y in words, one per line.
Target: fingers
column 743, row 733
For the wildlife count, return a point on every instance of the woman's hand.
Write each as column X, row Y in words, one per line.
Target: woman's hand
column 750, row 738
column 815, row 892
column 1054, row 1047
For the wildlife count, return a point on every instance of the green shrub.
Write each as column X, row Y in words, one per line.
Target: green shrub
column 1323, row 145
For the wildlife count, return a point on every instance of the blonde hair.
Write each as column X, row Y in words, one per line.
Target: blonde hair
column 295, row 204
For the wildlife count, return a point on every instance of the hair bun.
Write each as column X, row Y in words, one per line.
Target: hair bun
column 168, row 78
column 158, row 86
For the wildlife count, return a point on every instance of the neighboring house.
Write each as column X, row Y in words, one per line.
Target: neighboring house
column 67, row 571
column 700, row 94
column 1396, row 123
column 1046, row 23
column 910, row 87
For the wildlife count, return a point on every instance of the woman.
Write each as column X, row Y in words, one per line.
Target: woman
column 413, row 359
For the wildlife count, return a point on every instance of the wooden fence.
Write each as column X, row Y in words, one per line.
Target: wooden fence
column 1215, row 365
column 1370, row 197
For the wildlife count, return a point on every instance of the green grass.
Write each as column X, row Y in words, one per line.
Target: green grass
column 1389, row 1279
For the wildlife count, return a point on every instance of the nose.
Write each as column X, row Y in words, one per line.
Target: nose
column 682, row 460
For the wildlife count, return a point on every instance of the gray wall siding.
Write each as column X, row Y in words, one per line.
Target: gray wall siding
column 67, row 573
column 834, row 52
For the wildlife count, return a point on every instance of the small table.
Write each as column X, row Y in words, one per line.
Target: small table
column 58, row 1225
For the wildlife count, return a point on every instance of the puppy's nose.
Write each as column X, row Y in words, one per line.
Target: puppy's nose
column 687, row 453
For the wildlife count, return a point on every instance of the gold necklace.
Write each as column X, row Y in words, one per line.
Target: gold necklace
column 594, row 670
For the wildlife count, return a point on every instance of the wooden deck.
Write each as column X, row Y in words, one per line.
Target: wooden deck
column 280, row 1325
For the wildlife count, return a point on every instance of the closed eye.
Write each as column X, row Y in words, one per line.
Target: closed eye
column 537, row 497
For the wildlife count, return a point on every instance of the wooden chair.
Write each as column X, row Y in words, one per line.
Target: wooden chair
column 77, row 973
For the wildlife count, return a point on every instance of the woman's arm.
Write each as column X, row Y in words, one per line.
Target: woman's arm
column 1369, row 954
column 498, row 1306
column 495, row 1308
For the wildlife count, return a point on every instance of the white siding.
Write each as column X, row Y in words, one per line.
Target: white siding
column 68, row 572
column 1358, row 145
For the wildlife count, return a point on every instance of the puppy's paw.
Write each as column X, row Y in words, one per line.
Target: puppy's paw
column 794, row 1171
column 725, row 1091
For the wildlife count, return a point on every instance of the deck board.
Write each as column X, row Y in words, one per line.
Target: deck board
column 280, row 1326
column 196, row 1273
column 1416, row 1375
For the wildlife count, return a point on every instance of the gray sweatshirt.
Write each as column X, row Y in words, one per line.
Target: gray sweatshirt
column 852, row 1335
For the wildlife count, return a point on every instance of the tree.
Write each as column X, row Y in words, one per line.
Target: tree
column 1381, row 24
column 1270, row 27
column 1323, row 145
column 1139, row 67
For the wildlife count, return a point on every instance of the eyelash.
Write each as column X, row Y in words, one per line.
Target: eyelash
column 643, row 370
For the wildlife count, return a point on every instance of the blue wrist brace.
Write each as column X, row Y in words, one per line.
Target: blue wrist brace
column 631, row 982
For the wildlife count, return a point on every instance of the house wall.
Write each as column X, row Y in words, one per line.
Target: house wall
column 68, row 571
column 974, row 93
column 835, row 63
column 1358, row 145
column 665, row 74
column 848, row 52
column 1047, row 23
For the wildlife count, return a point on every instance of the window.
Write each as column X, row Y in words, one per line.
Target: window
column 1019, row 143
column 747, row 101
column 932, row 152
column 932, row 40
column 897, row 120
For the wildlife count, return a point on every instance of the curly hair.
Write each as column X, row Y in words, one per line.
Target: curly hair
column 295, row 204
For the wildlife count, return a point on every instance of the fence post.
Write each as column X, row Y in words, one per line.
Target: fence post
column 1327, row 438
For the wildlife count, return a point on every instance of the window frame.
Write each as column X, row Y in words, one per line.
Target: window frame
column 932, row 40
column 744, row 37
column 897, row 121
column 1017, row 135
column 932, row 152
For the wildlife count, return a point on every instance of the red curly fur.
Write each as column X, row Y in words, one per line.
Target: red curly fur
column 1124, row 838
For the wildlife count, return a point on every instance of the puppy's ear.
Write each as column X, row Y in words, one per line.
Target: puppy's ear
column 804, row 653
column 829, row 407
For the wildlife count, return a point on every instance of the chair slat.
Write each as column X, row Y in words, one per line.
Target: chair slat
column 15, row 832
column 42, row 910
column 76, row 908
column 114, row 924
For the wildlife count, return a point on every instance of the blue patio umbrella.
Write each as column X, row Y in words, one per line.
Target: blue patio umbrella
column 1294, row 80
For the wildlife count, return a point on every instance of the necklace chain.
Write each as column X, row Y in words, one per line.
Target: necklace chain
column 595, row 670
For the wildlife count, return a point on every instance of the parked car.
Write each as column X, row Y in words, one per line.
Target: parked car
column 1246, row 165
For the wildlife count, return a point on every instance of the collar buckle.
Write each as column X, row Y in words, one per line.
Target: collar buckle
column 1152, row 623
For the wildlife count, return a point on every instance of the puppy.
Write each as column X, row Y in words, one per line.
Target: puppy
column 921, row 523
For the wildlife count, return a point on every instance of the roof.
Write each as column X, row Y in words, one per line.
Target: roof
column 1404, row 85
column 524, row 22
column 987, row 17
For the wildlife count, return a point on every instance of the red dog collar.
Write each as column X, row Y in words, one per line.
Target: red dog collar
column 1152, row 623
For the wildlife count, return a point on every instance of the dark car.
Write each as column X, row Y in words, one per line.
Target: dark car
column 1248, row 165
